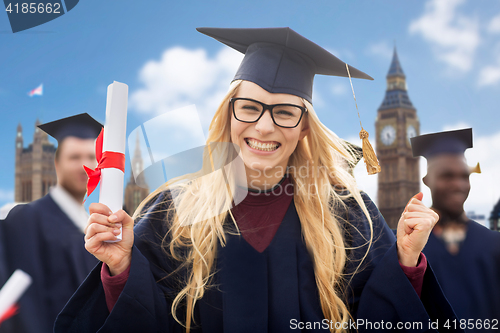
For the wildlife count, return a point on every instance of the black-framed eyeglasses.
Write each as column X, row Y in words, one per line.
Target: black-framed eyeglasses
column 248, row 110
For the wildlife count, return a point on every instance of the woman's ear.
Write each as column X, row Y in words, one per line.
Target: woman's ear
column 305, row 129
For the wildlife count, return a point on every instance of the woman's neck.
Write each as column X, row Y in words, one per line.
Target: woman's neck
column 264, row 180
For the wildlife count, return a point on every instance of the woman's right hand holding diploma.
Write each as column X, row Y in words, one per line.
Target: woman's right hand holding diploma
column 103, row 226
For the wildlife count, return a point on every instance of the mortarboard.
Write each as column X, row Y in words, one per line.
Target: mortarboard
column 280, row 60
column 450, row 142
column 82, row 126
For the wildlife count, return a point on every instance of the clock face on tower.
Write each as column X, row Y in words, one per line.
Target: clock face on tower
column 388, row 135
column 410, row 132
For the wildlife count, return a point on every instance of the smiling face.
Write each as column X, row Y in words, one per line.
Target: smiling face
column 265, row 147
column 448, row 179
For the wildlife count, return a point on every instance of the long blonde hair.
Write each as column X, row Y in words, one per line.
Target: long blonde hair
column 323, row 155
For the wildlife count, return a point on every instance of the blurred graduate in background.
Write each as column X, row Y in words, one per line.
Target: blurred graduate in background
column 465, row 255
column 45, row 237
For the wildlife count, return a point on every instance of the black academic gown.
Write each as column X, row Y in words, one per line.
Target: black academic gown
column 272, row 291
column 41, row 240
column 470, row 279
column 3, row 263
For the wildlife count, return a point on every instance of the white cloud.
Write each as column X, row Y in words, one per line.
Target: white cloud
column 183, row 77
column 485, row 190
column 335, row 52
column 489, row 75
column 318, row 99
column 494, row 25
column 455, row 37
column 6, row 195
column 339, row 89
column 345, row 55
column 367, row 183
column 427, row 199
column 457, row 126
column 5, row 209
column 382, row 49
column 174, row 132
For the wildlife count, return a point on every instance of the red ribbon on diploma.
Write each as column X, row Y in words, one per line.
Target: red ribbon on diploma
column 108, row 159
column 9, row 313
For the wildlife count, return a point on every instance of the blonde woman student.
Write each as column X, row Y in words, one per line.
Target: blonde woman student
column 304, row 250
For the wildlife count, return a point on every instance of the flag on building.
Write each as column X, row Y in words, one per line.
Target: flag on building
column 37, row 91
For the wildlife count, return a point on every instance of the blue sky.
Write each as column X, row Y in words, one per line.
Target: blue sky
column 449, row 51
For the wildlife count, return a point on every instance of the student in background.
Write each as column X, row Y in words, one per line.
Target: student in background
column 45, row 237
column 465, row 255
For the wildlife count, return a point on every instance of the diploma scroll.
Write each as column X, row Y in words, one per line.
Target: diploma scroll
column 13, row 289
column 111, row 188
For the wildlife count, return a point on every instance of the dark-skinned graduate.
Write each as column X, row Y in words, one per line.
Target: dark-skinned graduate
column 305, row 250
column 465, row 255
column 45, row 238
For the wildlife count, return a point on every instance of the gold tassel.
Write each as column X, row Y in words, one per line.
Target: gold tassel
column 476, row 169
column 371, row 161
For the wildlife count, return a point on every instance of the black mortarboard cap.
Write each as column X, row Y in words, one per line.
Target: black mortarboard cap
column 280, row 60
column 82, row 126
column 450, row 142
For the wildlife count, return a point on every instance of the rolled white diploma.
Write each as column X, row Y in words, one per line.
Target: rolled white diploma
column 13, row 289
column 111, row 188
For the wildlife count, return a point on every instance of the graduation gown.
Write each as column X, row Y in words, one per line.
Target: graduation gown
column 41, row 240
column 471, row 278
column 3, row 264
column 272, row 291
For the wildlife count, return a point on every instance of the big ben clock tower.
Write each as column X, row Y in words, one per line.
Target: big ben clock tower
column 396, row 123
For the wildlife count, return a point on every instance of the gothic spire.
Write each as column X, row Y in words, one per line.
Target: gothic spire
column 395, row 69
column 396, row 95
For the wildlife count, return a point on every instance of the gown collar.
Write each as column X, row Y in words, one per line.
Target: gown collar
column 74, row 210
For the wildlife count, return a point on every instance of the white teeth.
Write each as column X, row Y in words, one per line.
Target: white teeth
column 262, row 146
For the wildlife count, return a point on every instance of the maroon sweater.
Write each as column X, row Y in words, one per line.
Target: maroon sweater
column 259, row 216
